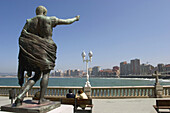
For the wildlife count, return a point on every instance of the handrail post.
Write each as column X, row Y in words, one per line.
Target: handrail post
column 87, row 90
column 158, row 88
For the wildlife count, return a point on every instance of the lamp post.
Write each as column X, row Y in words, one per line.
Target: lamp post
column 85, row 59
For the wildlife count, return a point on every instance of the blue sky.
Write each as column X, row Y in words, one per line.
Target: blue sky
column 114, row 30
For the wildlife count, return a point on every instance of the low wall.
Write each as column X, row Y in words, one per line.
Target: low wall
column 96, row 92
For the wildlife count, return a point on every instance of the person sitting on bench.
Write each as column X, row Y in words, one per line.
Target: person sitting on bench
column 70, row 94
column 82, row 95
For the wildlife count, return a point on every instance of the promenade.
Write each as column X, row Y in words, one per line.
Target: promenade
column 134, row 105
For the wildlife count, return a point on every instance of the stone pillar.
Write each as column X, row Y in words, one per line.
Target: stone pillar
column 158, row 91
column 158, row 87
column 87, row 90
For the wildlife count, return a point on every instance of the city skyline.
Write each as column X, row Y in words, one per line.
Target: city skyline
column 124, row 62
column 115, row 31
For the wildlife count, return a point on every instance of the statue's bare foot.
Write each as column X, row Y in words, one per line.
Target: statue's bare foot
column 18, row 102
column 41, row 101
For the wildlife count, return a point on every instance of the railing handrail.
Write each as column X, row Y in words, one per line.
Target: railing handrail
column 91, row 87
column 96, row 92
column 124, row 87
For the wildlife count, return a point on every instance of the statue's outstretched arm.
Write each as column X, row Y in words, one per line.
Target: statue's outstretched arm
column 65, row 21
column 68, row 21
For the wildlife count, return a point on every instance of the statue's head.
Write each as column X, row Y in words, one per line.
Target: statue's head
column 41, row 10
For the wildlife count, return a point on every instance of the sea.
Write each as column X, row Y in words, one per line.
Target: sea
column 95, row 82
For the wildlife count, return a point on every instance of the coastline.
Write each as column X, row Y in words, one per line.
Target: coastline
column 121, row 76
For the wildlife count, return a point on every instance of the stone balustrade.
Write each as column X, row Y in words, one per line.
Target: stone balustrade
column 123, row 92
column 96, row 92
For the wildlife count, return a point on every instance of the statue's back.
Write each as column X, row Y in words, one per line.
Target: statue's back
column 41, row 26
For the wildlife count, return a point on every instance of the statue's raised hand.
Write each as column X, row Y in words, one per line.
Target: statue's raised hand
column 78, row 17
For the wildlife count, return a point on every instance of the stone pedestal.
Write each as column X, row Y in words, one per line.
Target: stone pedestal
column 158, row 90
column 31, row 106
column 87, row 90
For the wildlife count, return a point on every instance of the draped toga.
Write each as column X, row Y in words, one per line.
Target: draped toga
column 36, row 53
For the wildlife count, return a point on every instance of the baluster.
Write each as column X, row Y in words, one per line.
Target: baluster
column 168, row 91
column 124, row 92
column 142, row 92
column 114, row 92
column 120, row 94
column 128, row 92
column 103, row 92
column 132, row 92
column 153, row 92
column 135, row 93
column 51, row 92
column 76, row 91
column 64, row 92
column 55, row 92
column 117, row 92
column 59, row 92
column 106, row 93
column 99, row 92
column 146, row 92
column 1, row 91
column 92, row 92
column 4, row 92
column 149, row 92
column 48, row 90
column 164, row 92
column 138, row 92
column 110, row 92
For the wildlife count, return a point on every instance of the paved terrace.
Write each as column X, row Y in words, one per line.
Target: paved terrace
column 134, row 105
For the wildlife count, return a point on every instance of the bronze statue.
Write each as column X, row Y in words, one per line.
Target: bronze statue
column 38, row 51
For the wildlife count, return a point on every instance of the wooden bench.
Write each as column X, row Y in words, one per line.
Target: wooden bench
column 77, row 103
column 162, row 104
